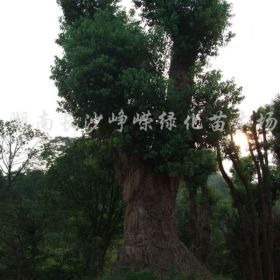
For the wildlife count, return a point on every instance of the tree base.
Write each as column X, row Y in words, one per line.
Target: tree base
column 150, row 235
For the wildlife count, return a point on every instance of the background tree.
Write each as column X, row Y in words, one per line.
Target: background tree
column 22, row 222
column 253, row 188
column 201, row 166
column 276, row 132
column 87, row 207
column 54, row 148
column 19, row 145
column 65, row 222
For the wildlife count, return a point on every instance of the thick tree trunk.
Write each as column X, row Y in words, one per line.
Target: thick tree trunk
column 150, row 236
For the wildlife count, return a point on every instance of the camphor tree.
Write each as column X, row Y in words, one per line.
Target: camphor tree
column 112, row 63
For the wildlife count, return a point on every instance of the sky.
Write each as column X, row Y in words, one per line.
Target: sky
column 28, row 30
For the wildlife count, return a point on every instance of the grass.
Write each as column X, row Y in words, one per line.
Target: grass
column 145, row 275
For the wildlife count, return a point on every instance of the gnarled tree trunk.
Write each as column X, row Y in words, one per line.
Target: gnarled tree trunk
column 150, row 236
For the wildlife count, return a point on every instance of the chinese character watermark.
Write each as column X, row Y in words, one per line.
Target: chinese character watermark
column 144, row 120
column 91, row 123
column 167, row 120
column 267, row 121
column 120, row 119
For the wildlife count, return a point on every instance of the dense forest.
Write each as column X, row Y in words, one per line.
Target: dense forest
column 157, row 187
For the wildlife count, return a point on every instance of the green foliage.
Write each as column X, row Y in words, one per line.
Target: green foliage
column 73, row 10
column 211, row 95
column 199, row 166
column 225, row 247
column 197, row 28
column 112, row 63
column 248, row 168
column 102, row 57
column 54, row 148
column 61, row 224
column 86, row 205
column 22, row 227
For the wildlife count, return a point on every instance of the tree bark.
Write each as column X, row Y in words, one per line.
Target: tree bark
column 255, row 270
column 266, row 201
column 194, row 227
column 150, row 235
column 205, row 229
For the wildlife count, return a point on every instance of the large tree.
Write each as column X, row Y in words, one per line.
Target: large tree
column 112, row 63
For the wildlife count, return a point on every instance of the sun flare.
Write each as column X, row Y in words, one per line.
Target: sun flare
column 241, row 140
